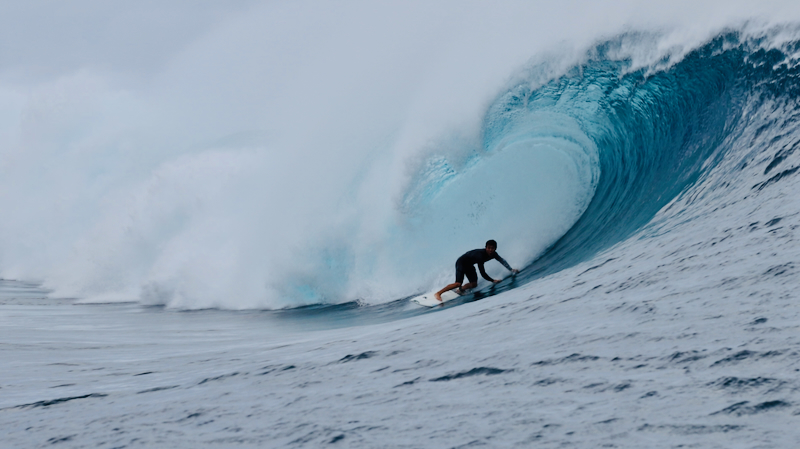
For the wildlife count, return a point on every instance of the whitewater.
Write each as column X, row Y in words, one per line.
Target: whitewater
column 214, row 217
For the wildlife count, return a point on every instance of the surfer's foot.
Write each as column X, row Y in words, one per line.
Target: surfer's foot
column 459, row 291
column 438, row 297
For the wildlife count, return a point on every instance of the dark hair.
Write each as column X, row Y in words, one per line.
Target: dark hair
column 491, row 243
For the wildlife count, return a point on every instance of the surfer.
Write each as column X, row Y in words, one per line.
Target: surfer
column 465, row 265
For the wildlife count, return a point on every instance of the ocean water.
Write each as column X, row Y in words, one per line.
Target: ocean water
column 211, row 230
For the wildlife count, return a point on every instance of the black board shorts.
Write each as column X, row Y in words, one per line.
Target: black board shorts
column 465, row 269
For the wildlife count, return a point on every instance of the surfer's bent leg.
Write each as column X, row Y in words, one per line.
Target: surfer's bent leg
column 456, row 284
column 472, row 277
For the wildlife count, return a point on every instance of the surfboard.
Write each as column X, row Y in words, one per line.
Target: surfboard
column 428, row 300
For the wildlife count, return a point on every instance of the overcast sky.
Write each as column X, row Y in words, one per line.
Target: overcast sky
column 40, row 39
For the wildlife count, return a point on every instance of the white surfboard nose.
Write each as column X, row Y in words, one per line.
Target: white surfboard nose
column 429, row 300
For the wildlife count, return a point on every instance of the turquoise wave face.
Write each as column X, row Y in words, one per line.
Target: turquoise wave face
column 656, row 132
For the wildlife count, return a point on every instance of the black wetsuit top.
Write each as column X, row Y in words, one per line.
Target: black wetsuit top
column 465, row 264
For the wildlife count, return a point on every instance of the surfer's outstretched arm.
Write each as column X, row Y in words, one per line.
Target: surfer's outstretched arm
column 505, row 264
column 486, row 276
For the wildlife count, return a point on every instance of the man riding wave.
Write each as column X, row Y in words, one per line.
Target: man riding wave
column 465, row 265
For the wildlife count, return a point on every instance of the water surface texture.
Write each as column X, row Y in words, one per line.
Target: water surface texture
column 213, row 244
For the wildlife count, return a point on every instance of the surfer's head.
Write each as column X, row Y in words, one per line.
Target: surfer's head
column 491, row 246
